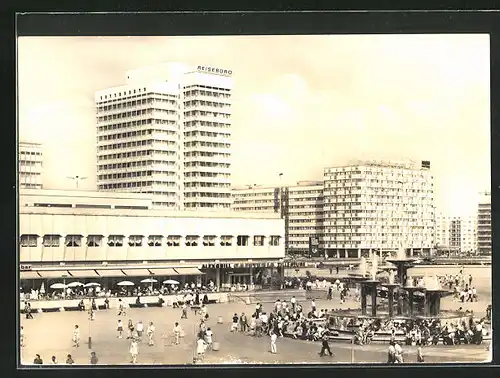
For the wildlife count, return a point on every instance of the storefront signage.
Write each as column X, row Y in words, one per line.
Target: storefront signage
column 25, row 267
column 216, row 71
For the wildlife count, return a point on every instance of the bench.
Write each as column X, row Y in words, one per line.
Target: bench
column 72, row 308
column 55, row 309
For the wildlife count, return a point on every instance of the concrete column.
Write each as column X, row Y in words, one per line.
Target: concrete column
column 217, row 278
column 390, row 293
column 251, row 275
column 374, row 300
column 370, row 253
column 359, row 253
column 399, row 310
column 411, row 252
column 363, row 300
column 337, row 253
column 410, row 302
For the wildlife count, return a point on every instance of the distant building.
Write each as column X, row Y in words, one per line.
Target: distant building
column 167, row 132
column 373, row 207
column 484, row 224
column 301, row 206
column 30, row 165
column 456, row 234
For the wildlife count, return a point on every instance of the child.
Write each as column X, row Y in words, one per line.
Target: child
column 134, row 350
column 184, row 314
column 93, row 358
column 76, row 337
column 38, row 360
column 177, row 333
column 140, row 329
column 420, row 355
column 274, row 337
column 208, row 336
column 120, row 329
column 53, row 360
column 130, row 329
column 151, row 331
column 121, row 309
column 69, row 360
column 200, row 348
column 234, row 326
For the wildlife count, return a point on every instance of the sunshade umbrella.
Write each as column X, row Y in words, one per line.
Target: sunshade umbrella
column 171, row 282
column 90, row 284
column 75, row 284
column 125, row 283
column 58, row 286
column 149, row 280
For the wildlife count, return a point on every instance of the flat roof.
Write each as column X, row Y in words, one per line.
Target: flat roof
column 83, row 194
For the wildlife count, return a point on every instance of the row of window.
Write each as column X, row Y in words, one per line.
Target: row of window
column 206, row 133
column 206, row 164
column 206, row 195
column 30, row 240
column 207, row 174
column 195, row 144
column 207, row 205
column 204, row 113
column 136, row 124
column 137, row 184
column 207, row 185
column 140, row 163
column 195, row 123
column 197, row 92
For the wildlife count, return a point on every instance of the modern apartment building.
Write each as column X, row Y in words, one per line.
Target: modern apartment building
column 484, row 224
column 300, row 205
column 372, row 206
column 166, row 132
column 30, row 165
column 456, row 234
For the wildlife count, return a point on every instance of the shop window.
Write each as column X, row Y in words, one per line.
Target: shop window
column 155, row 240
column 226, row 240
column 275, row 241
column 242, row 241
column 73, row 240
column 51, row 240
column 135, row 240
column 209, row 241
column 94, row 240
column 29, row 240
column 192, row 240
column 115, row 240
column 173, row 241
column 258, row 241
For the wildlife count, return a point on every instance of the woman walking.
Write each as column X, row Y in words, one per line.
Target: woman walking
column 119, row 328
column 151, row 332
column 76, row 337
column 134, row 350
column 274, row 337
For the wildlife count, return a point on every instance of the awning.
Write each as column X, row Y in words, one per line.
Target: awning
column 163, row 272
column 188, row 271
column 111, row 273
column 136, row 272
column 53, row 273
column 29, row 275
column 83, row 273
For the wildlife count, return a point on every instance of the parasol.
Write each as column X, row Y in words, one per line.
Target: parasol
column 125, row 283
column 171, row 282
column 58, row 286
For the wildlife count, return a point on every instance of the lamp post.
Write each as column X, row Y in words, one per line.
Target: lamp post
column 77, row 179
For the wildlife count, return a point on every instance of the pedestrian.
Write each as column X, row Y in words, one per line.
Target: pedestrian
column 53, row 360
column 399, row 353
column 293, row 301
column 151, row 332
column 121, row 308
column 313, row 305
column 209, row 337
column 76, row 337
column 93, row 358
column 470, row 279
column 391, row 353
column 69, row 360
column 184, row 314
column 243, row 322
column 106, row 303
column 38, row 360
column 130, row 329
column 134, row 350
column 325, row 347
column 91, row 314
column 234, row 325
column 140, row 330
column 200, row 348
column 177, row 333
column 119, row 328
column 420, row 354
column 274, row 337
column 21, row 337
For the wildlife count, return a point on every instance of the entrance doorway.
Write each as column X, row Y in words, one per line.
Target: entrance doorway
column 241, row 278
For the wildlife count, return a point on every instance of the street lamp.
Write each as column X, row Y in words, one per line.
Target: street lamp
column 77, row 179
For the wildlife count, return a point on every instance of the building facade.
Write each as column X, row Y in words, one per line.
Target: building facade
column 167, row 133
column 456, row 234
column 105, row 240
column 301, row 207
column 484, row 224
column 378, row 207
column 30, row 165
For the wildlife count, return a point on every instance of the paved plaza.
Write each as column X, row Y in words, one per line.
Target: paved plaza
column 50, row 334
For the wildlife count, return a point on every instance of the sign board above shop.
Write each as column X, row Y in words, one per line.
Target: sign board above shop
column 216, row 71
column 25, row 267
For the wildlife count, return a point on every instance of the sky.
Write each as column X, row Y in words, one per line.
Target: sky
column 300, row 103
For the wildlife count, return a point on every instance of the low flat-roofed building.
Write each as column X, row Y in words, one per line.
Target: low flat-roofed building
column 227, row 247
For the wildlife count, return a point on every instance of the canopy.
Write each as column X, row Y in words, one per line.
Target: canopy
column 163, row 272
column 110, row 273
column 75, row 284
column 29, row 276
column 83, row 273
column 125, row 283
column 188, row 271
column 58, row 286
column 53, row 273
column 137, row 272
column 149, row 280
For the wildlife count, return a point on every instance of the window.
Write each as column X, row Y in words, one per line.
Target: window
column 135, row 240
column 192, row 240
column 209, row 241
column 29, row 240
column 242, row 241
column 173, row 240
column 226, row 240
column 73, row 240
column 94, row 240
column 155, row 240
column 115, row 240
column 275, row 241
column 51, row 240
column 258, row 241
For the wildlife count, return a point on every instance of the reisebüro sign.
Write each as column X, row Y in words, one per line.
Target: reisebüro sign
column 217, row 71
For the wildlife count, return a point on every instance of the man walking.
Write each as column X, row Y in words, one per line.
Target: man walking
column 243, row 322
column 325, row 347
